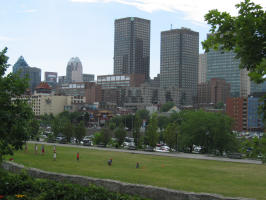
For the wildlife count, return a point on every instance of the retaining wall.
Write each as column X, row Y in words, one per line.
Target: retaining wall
column 152, row 192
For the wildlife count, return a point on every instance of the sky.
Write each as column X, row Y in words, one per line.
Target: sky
column 47, row 33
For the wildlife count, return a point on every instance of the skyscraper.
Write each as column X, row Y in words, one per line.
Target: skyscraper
column 74, row 70
column 33, row 73
column 21, row 63
column 179, row 62
column 132, row 46
column 224, row 65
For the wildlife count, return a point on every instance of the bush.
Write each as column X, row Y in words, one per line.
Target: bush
column 41, row 189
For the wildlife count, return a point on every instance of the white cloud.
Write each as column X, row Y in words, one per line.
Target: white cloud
column 192, row 9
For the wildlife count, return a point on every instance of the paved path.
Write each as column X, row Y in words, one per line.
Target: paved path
column 174, row 154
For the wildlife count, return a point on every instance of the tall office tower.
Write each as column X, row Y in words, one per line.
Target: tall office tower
column 21, row 63
column 33, row 73
column 74, row 70
column 179, row 62
column 132, row 46
column 202, row 68
column 51, row 78
column 224, row 65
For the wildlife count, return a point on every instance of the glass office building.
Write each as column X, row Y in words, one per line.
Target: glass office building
column 179, row 62
column 132, row 46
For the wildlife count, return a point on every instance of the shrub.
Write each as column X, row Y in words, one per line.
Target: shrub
column 42, row 189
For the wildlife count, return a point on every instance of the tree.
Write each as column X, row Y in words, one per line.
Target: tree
column 243, row 34
column 120, row 135
column 163, row 122
column 15, row 114
column 106, row 135
column 211, row 131
column 80, row 131
column 151, row 132
column 167, row 106
column 68, row 130
column 136, row 130
column 143, row 114
column 170, row 135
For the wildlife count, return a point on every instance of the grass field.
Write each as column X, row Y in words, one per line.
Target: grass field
column 226, row 178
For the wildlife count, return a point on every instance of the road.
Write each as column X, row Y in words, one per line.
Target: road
column 173, row 154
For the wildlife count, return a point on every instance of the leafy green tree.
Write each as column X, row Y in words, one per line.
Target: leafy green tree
column 136, row 130
column 57, row 125
column 143, row 114
column 15, row 114
column 68, row 130
column 212, row 131
column 120, row 135
column 167, row 106
column 80, row 131
column 106, row 135
column 243, row 34
column 151, row 132
column 97, row 138
column 170, row 135
column 34, row 127
column 219, row 105
column 163, row 122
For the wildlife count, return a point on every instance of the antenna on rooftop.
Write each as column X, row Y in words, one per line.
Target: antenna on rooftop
column 171, row 26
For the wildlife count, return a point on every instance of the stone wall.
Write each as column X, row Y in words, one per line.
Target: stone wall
column 152, row 192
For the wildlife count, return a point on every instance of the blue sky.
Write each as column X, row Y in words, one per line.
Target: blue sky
column 49, row 32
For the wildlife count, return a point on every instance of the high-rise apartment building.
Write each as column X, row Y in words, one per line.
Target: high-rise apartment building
column 202, row 68
column 132, row 46
column 179, row 62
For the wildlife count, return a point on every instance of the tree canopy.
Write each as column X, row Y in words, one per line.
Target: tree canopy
column 15, row 114
column 243, row 34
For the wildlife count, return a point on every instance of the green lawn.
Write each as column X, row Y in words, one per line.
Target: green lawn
column 226, row 178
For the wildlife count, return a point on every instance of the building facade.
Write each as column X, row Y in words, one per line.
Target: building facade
column 179, row 62
column 90, row 90
column 202, row 68
column 132, row 46
column 117, row 80
column 213, row 92
column 88, row 77
column 245, row 112
column 51, row 78
column 224, row 65
column 74, row 70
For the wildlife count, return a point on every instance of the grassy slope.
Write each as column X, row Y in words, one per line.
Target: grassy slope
column 229, row 179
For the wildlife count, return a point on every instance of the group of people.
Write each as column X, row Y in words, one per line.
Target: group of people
column 109, row 162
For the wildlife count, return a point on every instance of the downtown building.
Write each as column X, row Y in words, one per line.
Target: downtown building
column 224, row 65
column 245, row 112
column 132, row 46
column 179, row 66
column 24, row 70
column 51, row 78
column 213, row 92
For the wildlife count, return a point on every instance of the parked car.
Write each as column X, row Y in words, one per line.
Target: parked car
column 87, row 142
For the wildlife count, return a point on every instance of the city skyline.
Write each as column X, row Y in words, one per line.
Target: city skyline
column 48, row 33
